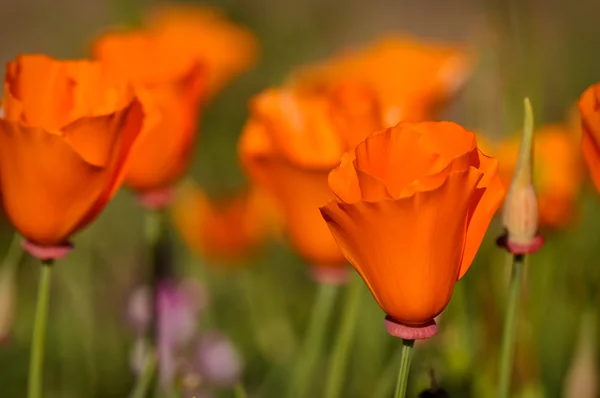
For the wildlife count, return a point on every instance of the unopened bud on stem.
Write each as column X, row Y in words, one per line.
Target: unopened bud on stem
column 520, row 214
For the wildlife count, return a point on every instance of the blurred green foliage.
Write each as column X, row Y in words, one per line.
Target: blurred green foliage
column 545, row 49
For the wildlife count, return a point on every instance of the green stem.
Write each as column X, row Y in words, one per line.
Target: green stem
column 510, row 329
column 344, row 338
column 14, row 255
column 145, row 380
column 155, row 232
column 240, row 391
column 313, row 342
column 36, row 364
column 407, row 346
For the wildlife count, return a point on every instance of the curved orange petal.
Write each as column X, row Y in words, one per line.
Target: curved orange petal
column 163, row 152
column 48, row 189
column 38, row 92
column 395, row 157
column 143, row 56
column 300, row 193
column 226, row 48
column 589, row 107
column 484, row 203
column 228, row 229
column 343, row 180
column 128, row 130
column 448, row 139
column 408, row 251
column 410, row 76
column 300, row 127
column 356, row 111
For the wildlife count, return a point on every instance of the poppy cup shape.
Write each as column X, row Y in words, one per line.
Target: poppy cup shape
column 172, row 82
column 589, row 108
column 65, row 136
column 413, row 203
column 288, row 147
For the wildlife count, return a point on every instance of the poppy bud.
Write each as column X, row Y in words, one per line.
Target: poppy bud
column 521, row 214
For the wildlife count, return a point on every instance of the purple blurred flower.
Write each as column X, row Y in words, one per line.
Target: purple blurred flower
column 217, row 360
column 199, row 361
column 178, row 308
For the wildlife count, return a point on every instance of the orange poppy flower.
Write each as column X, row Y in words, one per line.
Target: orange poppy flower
column 290, row 144
column 413, row 203
column 225, row 48
column 65, row 137
column 410, row 77
column 589, row 108
column 173, row 80
column 558, row 172
column 229, row 229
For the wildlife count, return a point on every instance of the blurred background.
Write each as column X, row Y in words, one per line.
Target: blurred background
column 549, row 50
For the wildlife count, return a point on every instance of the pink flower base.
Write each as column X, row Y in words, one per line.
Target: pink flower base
column 406, row 332
column 46, row 252
column 519, row 248
column 156, row 200
column 330, row 275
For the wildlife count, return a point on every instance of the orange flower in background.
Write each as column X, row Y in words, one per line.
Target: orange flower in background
column 290, row 144
column 172, row 79
column 227, row 229
column 65, row 135
column 413, row 203
column 225, row 48
column 589, row 108
column 411, row 77
column 558, row 171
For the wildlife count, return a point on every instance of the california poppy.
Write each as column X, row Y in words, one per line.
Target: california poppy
column 226, row 49
column 172, row 80
column 558, row 171
column 589, row 108
column 225, row 229
column 65, row 138
column 411, row 77
column 290, row 144
column 412, row 205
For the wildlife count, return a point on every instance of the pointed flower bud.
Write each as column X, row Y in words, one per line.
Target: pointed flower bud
column 520, row 216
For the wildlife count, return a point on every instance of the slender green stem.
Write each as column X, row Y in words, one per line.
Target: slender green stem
column 144, row 382
column 407, row 346
column 313, row 342
column 14, row 255
column 240, row 391
column 337, row 364
column 510, row 326
column 36, row 364
column 386, row 382
column 159, row 268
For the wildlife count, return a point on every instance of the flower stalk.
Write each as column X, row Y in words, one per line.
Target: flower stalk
column 405, row 358
column 36, row 364
column 313, row 343
column 344, row 338
column 510, row 326
column 521, row 223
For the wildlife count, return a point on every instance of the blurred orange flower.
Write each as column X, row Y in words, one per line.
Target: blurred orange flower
column 225, row 48
column 413, row 203
column 229, row 229
column 589, row 108
column 411, row 77
column 558, row 171
column 290, row 144
column 172, row 81
column 65, row 135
